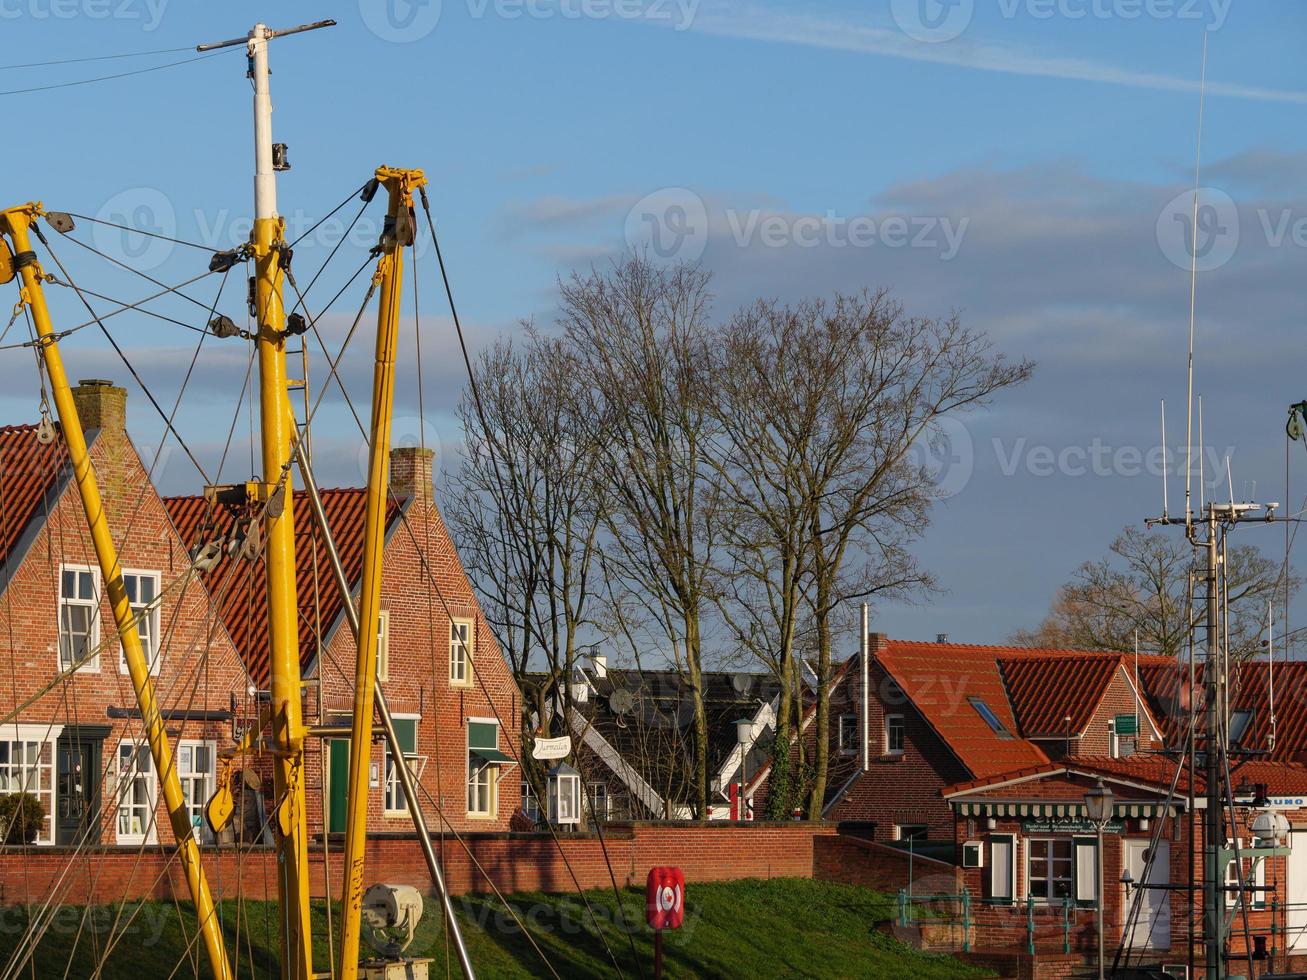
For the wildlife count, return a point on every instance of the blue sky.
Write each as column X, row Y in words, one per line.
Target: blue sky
column 1023, row 162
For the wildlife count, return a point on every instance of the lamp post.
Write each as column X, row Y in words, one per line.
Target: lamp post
column 743, row 735
column 1098, row 806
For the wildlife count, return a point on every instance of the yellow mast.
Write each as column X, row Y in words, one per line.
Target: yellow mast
column 16, row 222
column 277, row 430
column 399, row 229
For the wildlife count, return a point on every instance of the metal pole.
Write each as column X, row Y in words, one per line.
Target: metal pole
column 278, row 432
column 383, row 711
column 1102, row 905
column 1213, row 837
column 866, row 695
column 398, row 233
column 16, row 222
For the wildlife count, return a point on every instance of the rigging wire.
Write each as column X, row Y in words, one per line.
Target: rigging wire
column 98, row 57
column 106, row 78
column 467, row 362
column 139, row 231
column 123, row 357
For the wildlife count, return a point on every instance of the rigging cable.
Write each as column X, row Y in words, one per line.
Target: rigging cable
column 106, row 78
column 467, row 362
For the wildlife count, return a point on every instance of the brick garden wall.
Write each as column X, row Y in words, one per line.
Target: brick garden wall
column 514, row 862
column 855, row 861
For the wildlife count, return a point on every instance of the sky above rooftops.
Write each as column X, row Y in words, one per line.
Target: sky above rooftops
column 1024, row 162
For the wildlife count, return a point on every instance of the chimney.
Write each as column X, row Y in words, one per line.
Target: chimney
column 941, row 637
column 600, row 665
column 875, row 643
column 410, row 472
column 101, row 405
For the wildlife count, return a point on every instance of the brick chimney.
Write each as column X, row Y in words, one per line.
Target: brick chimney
column 101, row 405
column 410, row 472
column 875, row 643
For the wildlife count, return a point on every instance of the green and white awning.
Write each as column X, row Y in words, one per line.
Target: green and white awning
column 1054, row 810
column 483, row 741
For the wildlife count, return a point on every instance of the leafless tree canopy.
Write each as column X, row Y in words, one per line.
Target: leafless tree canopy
column 720, row 488
column 1144, row 584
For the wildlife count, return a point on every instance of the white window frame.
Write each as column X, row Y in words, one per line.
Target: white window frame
column 889, row 723
column 1069, row 860
column 153, row 654
column 597, row 800
column 45, row 738
column 1257, row 884
column 390, row 785
column 92, row 666
column 849, row 747
column 1009, row 865
column 208, row 784
column 462, row 651
column 150, row 822
column 530, row 805
column 383, row 645
column 489, row 772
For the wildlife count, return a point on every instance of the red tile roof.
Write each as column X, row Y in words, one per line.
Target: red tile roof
column 1165, row 683
column 29, row 470
column 940, row 679
column 237, row 585
column 1047, row 688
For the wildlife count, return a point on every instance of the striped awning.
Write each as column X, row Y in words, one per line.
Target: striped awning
column 1133, row 810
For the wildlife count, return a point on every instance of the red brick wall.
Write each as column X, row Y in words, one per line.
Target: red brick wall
column 526, row 862
column 199, row 669
column 896, row 789
column 886, row 869
column 418, row 682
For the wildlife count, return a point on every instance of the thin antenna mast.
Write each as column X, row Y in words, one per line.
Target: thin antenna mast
column 1166, row 465
column 1202, row 452
column 1193, row 295
column 271, row 258
column 1270, row 669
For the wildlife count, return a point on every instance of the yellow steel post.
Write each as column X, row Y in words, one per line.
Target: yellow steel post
column 16, row 222
column 400, row 224
column 277, row 423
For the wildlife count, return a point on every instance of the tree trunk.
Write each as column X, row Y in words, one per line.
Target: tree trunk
column 821, row 736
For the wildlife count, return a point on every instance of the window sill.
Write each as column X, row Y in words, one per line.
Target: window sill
column 482, row 816
column 891, row 757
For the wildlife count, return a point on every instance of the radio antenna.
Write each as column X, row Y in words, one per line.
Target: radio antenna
column 1193, row 293
column 1166, row 464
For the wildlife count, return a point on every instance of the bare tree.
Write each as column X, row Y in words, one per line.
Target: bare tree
column 525, row 509
column 1144, row 584
column 640, row 338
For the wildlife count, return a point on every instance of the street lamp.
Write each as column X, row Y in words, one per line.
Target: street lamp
column 1098, row 806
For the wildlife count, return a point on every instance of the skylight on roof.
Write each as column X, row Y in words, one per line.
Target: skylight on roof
column 991, row 719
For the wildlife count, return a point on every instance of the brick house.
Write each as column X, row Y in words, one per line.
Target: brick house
column 937, row 714
column 77, row 743
column 633, row 737
column 450, row 692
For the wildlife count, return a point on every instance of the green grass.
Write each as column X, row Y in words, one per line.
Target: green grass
column 780, row 928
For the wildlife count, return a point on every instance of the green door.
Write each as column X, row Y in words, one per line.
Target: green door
column 337, row 784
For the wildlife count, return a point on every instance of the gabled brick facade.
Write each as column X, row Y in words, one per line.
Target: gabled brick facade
column 66, row 742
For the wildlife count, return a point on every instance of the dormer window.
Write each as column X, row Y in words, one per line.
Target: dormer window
column 1241, row 722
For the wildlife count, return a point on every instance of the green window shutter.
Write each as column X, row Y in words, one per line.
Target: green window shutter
column 406, row 730
column 482, row 735
column 1126, row 725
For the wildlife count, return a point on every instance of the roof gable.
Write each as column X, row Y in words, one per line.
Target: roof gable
column 237, row 585
column 31, row 474
column 1048, row 688
column 948, row 683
